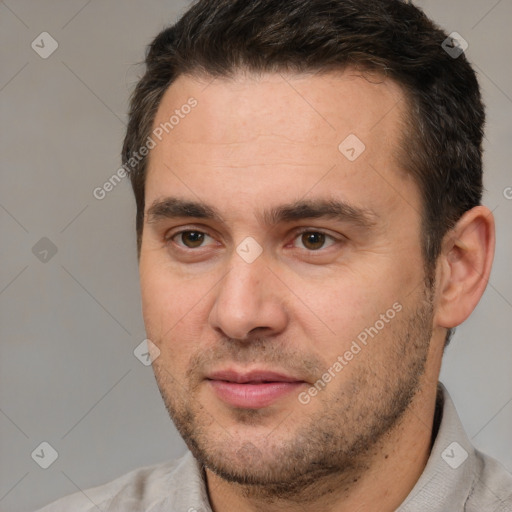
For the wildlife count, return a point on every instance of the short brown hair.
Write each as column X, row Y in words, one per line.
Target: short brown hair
column 442, row 137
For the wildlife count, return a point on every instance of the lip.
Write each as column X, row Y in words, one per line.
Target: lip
column 252, row 390
column 253, row 376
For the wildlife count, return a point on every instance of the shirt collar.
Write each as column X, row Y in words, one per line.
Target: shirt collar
column 451, row 469
column 447, row 479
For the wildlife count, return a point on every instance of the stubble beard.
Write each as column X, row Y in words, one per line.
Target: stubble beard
column 338, row 440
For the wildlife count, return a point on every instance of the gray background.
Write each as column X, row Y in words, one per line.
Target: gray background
column 69, row 325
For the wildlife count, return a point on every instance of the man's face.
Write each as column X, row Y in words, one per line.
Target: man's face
column 298, row 253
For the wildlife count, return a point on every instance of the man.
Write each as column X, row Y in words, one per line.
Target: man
column 308, row 181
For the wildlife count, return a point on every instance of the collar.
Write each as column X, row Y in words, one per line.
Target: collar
column 447, row 480
column 452, row 468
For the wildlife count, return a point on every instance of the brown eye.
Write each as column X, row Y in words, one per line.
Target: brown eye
column 191, row 239
column 313, row 240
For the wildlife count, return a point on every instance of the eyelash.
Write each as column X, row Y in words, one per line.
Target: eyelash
column 170, row 238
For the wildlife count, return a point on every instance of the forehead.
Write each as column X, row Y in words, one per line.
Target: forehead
column 303, row 108
column 285, row 130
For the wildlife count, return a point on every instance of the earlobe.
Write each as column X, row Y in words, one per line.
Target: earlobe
column 464, row 266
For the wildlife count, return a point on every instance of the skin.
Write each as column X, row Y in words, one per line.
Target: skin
column 254, row 143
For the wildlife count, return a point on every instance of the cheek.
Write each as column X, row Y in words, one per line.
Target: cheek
column 348, row 303
column 174, row 318
column 171, row 306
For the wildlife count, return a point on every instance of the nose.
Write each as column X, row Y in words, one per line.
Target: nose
column 249, row 302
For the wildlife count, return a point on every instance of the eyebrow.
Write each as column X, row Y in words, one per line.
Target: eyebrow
column 174, row 207
column 321, row 208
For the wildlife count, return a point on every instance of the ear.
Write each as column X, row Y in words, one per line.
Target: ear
column 464, row 266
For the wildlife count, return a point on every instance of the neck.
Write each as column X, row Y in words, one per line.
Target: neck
column 380, row 481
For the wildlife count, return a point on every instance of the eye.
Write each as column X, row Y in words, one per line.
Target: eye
column 190, row 239
column 314, row 240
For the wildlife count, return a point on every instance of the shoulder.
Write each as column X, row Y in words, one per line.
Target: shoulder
column 492, row 489
column 457, row 476
column 140, row 489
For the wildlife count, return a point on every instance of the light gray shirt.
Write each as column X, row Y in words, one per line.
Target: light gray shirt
column 456, row 478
